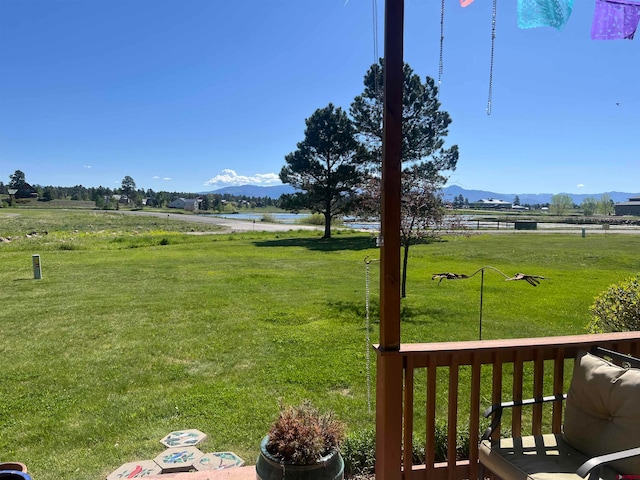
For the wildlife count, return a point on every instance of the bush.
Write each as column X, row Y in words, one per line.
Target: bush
column 617, row 309
column 359, row 449
column 359, row 453
column 268, row 217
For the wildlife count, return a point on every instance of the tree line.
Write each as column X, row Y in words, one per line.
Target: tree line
column 105, row 197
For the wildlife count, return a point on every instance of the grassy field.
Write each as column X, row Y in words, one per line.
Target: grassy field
column 138, row 329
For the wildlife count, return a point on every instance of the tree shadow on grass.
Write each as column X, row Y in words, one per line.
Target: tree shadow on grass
column 323, row 245
column 408, row 314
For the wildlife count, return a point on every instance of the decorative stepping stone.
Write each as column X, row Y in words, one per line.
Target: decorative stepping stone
column 218, row 461
column 178, row 459
column 142, row 469
column 184, row 438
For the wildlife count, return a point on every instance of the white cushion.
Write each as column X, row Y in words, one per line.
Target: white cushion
column 603, row 410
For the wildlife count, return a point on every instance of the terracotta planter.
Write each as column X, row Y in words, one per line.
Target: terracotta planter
column 330, row 467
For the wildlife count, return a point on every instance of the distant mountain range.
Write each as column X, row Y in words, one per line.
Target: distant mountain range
column 529, row 198
column 449, row 193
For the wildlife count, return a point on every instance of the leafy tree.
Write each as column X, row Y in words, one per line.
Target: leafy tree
column 589, row 206
column 516, row 200
column 424, row 157
column 561, row 203
column 128, row 187
column 325, row 166
column 205, row 203
column 17, row 180
column 100, row 202
column 47, row 194
column 605, row 204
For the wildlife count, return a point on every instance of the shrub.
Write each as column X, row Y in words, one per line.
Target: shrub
column 617, row 309
column 359, row 449
column 359, row 453
column 268, row 217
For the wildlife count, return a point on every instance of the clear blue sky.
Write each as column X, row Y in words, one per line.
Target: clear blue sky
column 194, row 95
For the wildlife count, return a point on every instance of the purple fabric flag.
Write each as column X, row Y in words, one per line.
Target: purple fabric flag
column 544, row 13
column 615, row 19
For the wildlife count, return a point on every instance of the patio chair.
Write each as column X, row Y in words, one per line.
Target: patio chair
column 601, row 430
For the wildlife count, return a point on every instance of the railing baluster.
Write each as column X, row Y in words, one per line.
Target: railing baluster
column 474, row 420
column 516, row 414
column 430, row 454
column 558, row 389
column 538, row 384
column 407, row 455
column 496, row 387
column 452, row 424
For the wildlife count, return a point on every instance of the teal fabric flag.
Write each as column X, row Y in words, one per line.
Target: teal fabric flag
column 544, row 13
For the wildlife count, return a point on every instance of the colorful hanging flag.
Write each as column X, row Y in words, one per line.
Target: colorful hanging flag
column 466, row 3
column 544, row 13
column 615, row 19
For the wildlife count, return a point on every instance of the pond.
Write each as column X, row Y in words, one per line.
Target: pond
column 292, row 218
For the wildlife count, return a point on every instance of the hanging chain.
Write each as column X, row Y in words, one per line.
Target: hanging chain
column 368, row 354
column 493, row 45
column 441, row 64
column 375, row 32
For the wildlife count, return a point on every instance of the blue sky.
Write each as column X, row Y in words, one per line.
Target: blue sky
column 194, row 95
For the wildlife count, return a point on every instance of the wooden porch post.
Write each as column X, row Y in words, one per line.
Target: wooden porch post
column 389, row 367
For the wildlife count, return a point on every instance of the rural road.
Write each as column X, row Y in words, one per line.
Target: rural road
column 228, row 224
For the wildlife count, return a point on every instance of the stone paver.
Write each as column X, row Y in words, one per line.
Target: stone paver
column 218, row 461
column 179, row 459
column 145, row 468
column 184, row 438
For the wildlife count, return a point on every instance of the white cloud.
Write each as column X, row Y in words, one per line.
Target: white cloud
column 86, row 166
column 156, row 177
column 166, row 178
column 230, row 177
column 580, row 185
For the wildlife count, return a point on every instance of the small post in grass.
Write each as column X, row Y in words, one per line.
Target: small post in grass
column 37, row 268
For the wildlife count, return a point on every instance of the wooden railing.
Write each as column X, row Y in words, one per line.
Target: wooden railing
column 472, row 376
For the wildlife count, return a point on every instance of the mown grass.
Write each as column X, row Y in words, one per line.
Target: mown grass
column 128, row 337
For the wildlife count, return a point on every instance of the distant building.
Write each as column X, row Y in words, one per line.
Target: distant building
column 630, row 207
column 123, row 199
column 491, row 203
column 188, row 204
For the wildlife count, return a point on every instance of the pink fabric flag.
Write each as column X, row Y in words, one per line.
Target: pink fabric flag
column 466, row 3
column 615, row 19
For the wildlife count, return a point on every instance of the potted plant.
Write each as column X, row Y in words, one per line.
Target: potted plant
column 302, row 444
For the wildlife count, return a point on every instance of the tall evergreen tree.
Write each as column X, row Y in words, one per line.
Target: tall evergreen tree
column 325, row 166
column 424, row 157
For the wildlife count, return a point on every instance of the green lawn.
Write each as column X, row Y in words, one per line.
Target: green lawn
column 137, row 329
